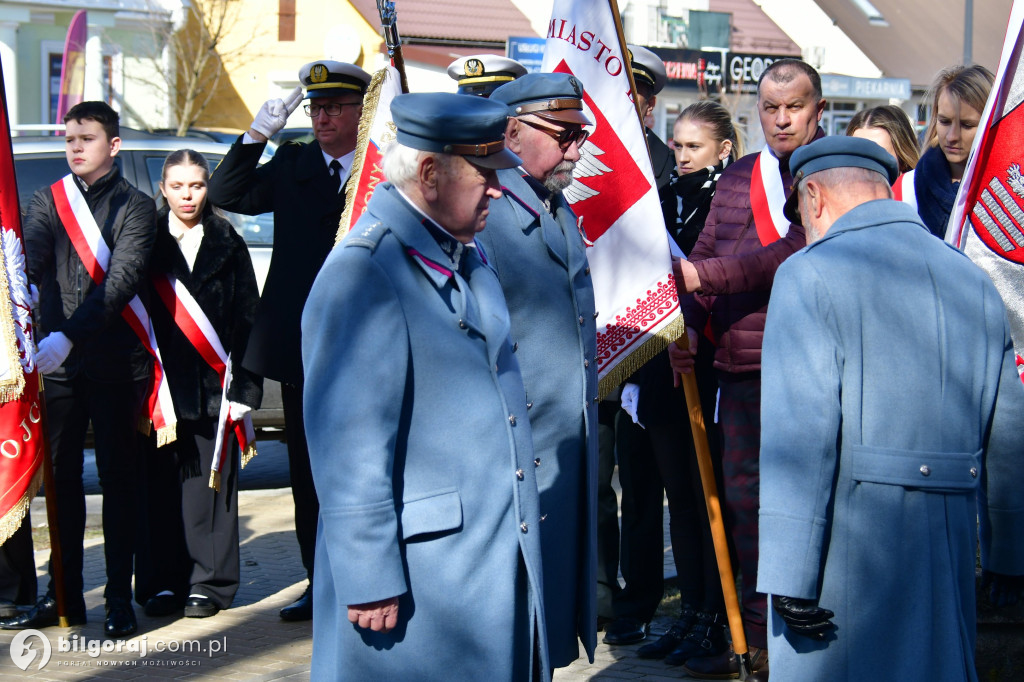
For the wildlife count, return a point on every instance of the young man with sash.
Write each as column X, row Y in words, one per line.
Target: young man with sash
column 88, row 240
column 746, row 216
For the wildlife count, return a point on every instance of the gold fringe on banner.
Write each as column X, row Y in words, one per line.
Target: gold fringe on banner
column 648, row 349
column 11, row 521
column 215, row 480
column 12, row 387
column 248, row 453
column 370, row 101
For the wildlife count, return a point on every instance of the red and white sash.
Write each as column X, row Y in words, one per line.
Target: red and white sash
column 903, row 189
column 195, row 325
column 94, row 252
column 768, row 198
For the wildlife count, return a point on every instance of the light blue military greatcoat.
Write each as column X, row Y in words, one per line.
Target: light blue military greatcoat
column 890, row 403
column 541, row 262
column 423, row 461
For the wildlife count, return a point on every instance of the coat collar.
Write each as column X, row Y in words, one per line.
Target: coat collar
column 870, row 214
column 214, row 251
column 529, row 210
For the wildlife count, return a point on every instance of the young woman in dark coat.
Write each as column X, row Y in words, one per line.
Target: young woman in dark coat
column 188, row 555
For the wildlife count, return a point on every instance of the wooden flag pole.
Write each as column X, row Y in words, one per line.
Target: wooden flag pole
column 389, row 22
column 614, row 6
column 707, row 479
column 700, row 442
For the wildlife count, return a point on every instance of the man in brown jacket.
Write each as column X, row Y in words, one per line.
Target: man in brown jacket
column 746, row 222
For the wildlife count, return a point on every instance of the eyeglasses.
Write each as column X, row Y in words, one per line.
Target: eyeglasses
column 331, row 109
column 564, row 136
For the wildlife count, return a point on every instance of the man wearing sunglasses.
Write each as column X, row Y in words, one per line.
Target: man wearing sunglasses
column 533, row 242
column 302, row 185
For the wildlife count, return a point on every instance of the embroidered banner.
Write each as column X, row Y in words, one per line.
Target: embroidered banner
column 615, row 196
column 987, row 221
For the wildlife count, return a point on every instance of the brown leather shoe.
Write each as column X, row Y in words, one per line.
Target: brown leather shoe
column 726, row 666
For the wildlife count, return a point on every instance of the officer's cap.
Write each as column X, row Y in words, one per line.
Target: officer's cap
column 554, row 96
column 481, row 74
column 837, row 152
column 472, row 127
column 647, row 67
column 326, row 78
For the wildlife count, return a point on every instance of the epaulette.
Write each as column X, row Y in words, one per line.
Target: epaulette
column 368, row 236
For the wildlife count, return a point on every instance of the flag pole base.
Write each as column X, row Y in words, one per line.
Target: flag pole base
column 63, row 622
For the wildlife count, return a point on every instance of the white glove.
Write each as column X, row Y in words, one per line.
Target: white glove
column 238, row 410
column 275, row 112
column 53, row 350
column 630, row 397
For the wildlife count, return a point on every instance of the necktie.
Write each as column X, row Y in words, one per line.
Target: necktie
column 335, row 167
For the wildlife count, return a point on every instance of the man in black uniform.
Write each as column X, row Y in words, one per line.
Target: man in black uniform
column 302, row 185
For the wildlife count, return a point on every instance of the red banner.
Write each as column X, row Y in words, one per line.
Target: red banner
column 21, row 442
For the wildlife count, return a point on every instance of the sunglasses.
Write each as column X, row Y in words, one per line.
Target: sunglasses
column 564, row 136
column 331, row 109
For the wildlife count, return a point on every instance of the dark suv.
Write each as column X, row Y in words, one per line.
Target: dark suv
column 41, row 161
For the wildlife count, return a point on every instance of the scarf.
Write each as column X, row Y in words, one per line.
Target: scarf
column 935, row 193
column 694, row 192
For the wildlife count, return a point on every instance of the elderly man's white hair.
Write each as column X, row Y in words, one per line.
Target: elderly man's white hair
column 400, row 163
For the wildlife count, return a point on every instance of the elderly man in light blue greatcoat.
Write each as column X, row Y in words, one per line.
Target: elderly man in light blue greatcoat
column 533, row 242
column 428, row 557
column 890, row 407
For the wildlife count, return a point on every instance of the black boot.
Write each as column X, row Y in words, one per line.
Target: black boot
column 672, row 639
column 705, row 638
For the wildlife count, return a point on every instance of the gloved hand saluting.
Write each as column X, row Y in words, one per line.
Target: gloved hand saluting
column 804, row 616
column 274, row 114
column 53, row 351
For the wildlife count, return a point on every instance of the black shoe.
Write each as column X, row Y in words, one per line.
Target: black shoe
column 199, row 606
column 671, row 639
column 726, row 666
column 625, row 631
column 162, row 605
column 42, row 615
column 120, row 620
column 301, row 608
column 706, row 637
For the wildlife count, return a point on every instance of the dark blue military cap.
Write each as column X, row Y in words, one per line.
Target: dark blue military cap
column 555, row 96
column 837, row 152
column 444, row 122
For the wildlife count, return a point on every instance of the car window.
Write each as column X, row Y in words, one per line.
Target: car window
column 36, row 172
column 257, row 230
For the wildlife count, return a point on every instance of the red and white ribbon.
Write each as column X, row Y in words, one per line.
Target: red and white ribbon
column 903, row 189
column 768, row 198
column 188, row 315
column 94, row 253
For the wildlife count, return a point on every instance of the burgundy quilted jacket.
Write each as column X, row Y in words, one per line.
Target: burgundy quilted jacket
column 736, row 272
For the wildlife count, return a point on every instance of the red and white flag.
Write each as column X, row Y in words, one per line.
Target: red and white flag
column 615, row 196
column 21, row 435
column 375, row 130
column 987, row 221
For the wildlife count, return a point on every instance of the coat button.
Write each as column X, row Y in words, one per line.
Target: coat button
column 529, row 405
column 581, row 319
column 587, row 271
column 523, row 527
column 543, row 517
column 462, row 324
column 586, row 363
column 512, row 419
column 596, row 314
column 519, row 474
column 925, row 470
column 974, row 472
column 536, row 461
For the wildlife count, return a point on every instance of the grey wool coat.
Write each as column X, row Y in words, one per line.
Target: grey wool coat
column 541, row 262
column 891, row 417
column 422, row 456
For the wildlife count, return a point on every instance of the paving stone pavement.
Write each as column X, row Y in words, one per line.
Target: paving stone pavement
column 246, row 642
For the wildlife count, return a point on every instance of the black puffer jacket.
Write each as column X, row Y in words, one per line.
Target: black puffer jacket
column 105, row 347
column 223, row 284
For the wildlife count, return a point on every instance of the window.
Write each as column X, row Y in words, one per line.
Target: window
column 286, row 20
